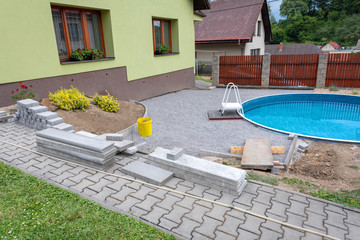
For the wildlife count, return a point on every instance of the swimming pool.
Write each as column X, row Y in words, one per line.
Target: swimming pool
column 321, row 116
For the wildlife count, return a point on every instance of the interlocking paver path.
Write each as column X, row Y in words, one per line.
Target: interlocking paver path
column 180, row 214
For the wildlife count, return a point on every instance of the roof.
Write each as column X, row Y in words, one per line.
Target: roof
column 334, row 44
column 201, row 4
column 232, row 21
column 292, row 49
column 357, row 45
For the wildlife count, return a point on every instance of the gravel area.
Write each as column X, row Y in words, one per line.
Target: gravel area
column 180, row 120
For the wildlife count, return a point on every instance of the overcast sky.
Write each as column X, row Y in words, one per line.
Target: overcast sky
column 275, row 8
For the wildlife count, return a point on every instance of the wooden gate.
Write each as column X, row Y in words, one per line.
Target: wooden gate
column 343, row 70
column 293, row 70
column 240, row 70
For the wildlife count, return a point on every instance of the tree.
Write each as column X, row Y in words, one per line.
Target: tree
column 289, row 8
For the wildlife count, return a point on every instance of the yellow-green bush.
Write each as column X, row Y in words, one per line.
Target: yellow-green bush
column 106, row 102
column 69, row 99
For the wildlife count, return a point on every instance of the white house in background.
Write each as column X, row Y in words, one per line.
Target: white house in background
column 233, row 28
column 331, row 46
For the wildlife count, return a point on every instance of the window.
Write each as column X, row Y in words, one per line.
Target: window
column 254, row 52
column 161, row 34
column 259, row 28
column 77, row 28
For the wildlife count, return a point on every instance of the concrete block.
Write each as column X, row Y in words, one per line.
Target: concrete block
column 5, row 118
column 175, row 153
column 27, row 103
column 303, row 145
column 148, row 173
column 123, row 145
column 63, row 126
column 47, row 115
column 131, row 150
column 87, row 134
column 38, row 109
column 2, row 113
column 54, row 121
column 291, row 136
column 275, row 171
column 115, row 137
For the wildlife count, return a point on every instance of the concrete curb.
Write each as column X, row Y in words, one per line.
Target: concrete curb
column 133, row 128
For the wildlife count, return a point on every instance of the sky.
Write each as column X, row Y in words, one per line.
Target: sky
column 275, row 8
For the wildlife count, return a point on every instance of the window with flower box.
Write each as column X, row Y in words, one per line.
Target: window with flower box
column 162, row 36
column 77, row 29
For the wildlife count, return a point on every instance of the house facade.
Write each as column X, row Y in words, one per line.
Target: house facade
column 41, row 35
column 233, row 28
column 331, row 46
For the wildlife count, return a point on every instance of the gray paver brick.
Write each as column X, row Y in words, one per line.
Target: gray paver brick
column 278, row 208
column 123, row 193
column 159, row 193
column 118, row 184
column 259, row 208
column 28, row 164
column 208, row 227
column 82, row 185
column 290, row 233
column 186, row 202
column 269, row 234
column 230, row 225
column 353, row 232
column 104, row 194
column 282, row 197
column 138, row 212
column 111, row 178
column 336, row 232
column 80, row 176
column 167, row 224
column 197, row 213
column 223, row 236
column 32, row 169
column 267, row 189
column 68, row 183
column 352, row 217
column 295, row 219
column 49, row 175
column 76, row 170
column 148, row 203
column 142, row 193
column 214, row 191
column 176, row 214
column 226, row 198
column 155, row 215
column 251, row 188
column 299, row 198
column 252, row 224
column 95, row 177
column 44, row 163
column 134, row 185
column 217, row 212
column 89, row 192
column 99, row 185
column 243, row 234
column 316, row 207
column 60, row 178
column 173, row 182
column 264, row 197
column 335, row 209
column 198, row 190
column 57, row 164
column 245, row 198
column 315, row 221
column 127, row 204
column 187, row 184
column 168, row 202
column 186, row 227
column 45, row 169
column 297, row 208
column 310, row 236
column 335, row 219
column 199, row 236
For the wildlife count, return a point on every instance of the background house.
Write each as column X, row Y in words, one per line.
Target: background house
column 40, row 36
column 233, row 28
column 292, row 49
column 331, row 46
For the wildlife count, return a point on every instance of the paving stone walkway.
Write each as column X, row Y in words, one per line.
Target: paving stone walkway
column 183, row 216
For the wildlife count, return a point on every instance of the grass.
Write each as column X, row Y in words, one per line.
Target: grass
column 353, row 166
column 31, row 208
column 349, row 198
column 202, row 79
column 355, row 92
column 334, row 89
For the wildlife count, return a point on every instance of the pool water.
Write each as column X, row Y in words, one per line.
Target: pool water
column 329, row 116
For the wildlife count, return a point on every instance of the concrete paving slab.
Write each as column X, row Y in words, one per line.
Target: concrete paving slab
column 257, row 154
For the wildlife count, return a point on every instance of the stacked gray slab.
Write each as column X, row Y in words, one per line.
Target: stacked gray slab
column 4, row 117
column 31, row 114
column 224, row 178
column 76, row 148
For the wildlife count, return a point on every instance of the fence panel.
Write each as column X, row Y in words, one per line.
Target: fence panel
column 293, row 70
column 241, row 70
column 343, row 70
column 203, row 68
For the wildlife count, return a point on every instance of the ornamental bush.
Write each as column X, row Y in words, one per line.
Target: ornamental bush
column 107, row 102
column 69, row 99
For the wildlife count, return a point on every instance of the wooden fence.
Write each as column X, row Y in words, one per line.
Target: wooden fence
column 293, row 70
column 241, row 70
column 343, row 70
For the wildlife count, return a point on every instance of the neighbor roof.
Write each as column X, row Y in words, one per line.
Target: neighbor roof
column 292, row 49
column 201, row 4
column 334, row 44
column 232, row 21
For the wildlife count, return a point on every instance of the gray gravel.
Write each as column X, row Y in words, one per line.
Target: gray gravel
column 180, row 120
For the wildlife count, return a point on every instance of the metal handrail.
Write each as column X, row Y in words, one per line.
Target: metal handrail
column 225, row 100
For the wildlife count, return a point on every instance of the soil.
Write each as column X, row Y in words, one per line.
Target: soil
column 95, row 120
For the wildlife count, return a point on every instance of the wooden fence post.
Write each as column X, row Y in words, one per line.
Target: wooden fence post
column 265, row 76
column 321, row 72
column 215, row 70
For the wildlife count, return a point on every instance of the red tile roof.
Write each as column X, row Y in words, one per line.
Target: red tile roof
column 292, row 49
column 232, row 20
column 335, row 45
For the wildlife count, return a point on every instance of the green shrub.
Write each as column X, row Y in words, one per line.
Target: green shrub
column 164, row 49
column 355, row 92
column 106, row 102
column 69, row 99
column 86, row 54
column 333, row 89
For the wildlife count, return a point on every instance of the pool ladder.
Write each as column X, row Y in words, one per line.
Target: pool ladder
column 230, row 106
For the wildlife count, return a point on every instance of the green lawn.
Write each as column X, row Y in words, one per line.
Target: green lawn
column 205, row 79
column 31, row 208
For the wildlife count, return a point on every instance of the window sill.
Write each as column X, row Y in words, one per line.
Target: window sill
column 166, row 54
column 87, row 61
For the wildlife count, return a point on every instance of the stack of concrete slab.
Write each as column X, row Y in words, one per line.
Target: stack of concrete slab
column 76, row 148
column 31, row 114
column 224, row 178
column 5, row 117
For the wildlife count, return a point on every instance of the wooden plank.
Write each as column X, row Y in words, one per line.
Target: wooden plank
column 274, row 150
column 257, row 154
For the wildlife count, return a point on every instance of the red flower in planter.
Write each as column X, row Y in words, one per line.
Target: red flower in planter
column 17, row 89
column 12, row 92
column 23, row 86
column 20, row 82
column 79, row 49
column 31, row 86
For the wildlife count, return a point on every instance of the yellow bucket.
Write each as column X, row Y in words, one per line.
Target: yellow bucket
column 144, row 126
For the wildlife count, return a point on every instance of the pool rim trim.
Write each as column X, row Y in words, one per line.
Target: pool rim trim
column 300, row 135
